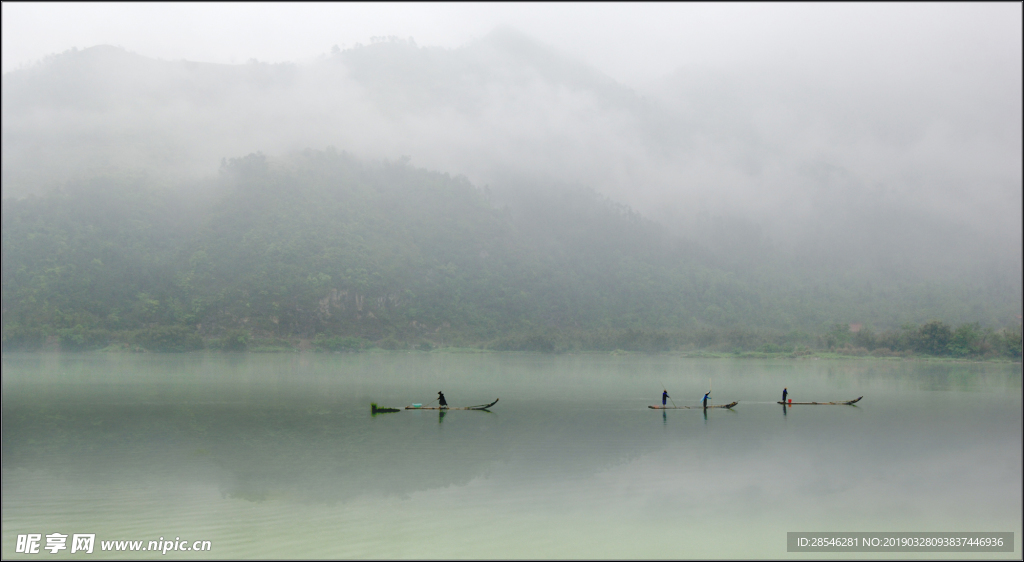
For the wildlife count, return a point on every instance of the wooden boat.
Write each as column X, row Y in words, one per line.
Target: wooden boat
column 847, row 403
column 726, row 406
column 480, row 407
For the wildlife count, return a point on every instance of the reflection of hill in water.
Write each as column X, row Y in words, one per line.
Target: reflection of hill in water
column 251, row 453
column 310, row 453
column 300, row 427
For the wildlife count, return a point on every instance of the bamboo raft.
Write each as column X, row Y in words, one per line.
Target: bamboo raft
column 480, row 407
column 847, row 403
column 726, row 406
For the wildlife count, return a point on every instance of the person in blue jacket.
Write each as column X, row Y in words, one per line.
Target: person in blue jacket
column 785, row 392
column 664, row 397
column 706, row 399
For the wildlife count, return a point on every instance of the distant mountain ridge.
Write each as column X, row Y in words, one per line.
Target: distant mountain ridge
column 175, row 116
column 731, row 163
column 322, row 246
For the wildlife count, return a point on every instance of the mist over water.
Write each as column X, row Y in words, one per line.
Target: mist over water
column 279, row 455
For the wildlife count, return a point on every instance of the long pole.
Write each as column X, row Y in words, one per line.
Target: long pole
column 664, row 388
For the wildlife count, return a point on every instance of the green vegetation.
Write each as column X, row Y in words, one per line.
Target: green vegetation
column 168, row 338
column 933, row 338
column 326, row 342
column 375, row 409
column 323, row 251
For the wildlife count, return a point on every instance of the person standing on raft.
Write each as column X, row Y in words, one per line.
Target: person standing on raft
column 785, row 392
column 441, row 400
column 664, row 396
column 706, row 400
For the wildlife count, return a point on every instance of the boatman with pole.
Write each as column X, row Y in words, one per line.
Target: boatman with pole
column 664, row 396
column 706, row 399
column 785, row 391
column 440, row 399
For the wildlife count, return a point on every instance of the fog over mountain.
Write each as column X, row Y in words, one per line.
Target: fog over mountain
column 799, row 158
column 905, row 174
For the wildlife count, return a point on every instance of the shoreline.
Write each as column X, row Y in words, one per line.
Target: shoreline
column 805, row 355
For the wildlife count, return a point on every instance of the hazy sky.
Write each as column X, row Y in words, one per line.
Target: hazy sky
column 632, row 42
column 801, row 118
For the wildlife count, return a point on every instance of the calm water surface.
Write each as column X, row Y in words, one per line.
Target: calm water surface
column 277, row 456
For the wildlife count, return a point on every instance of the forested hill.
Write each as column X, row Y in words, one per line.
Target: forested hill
column 782, row 207
column 326, row 247
column 795, row 177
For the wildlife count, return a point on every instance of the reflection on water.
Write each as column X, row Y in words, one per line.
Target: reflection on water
column 266, row 455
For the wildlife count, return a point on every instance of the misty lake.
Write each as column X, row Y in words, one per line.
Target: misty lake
column 278, row 456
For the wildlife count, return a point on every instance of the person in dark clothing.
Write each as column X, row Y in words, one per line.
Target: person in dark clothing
column 785, row 392
column 664, row 397
column 441, row 400
column 706, row 399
